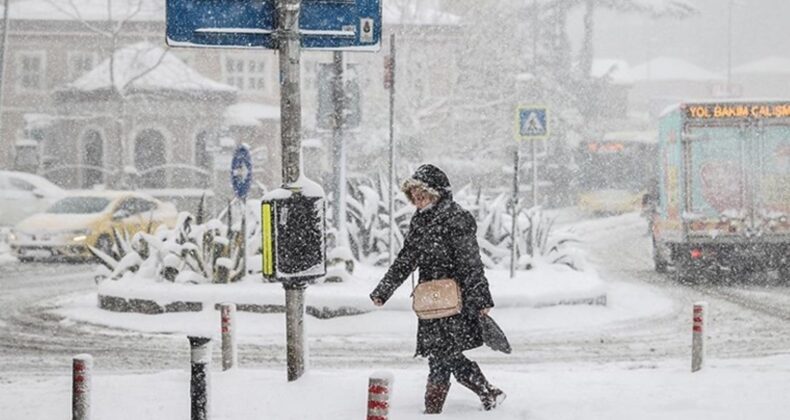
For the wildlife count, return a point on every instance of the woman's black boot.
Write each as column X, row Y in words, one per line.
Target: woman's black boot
column 435, row 394
column 474, row 379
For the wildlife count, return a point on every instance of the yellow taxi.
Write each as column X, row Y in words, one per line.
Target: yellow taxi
column 87, row 218
column 611, row 201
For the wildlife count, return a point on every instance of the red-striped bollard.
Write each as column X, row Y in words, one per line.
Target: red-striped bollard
column 698, row 336
column 81, row 387
column 379, row 389
column 229, row 352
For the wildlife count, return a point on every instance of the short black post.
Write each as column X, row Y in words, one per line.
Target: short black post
column 198, row 386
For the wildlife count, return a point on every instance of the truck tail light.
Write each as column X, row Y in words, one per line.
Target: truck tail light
column 696, row 253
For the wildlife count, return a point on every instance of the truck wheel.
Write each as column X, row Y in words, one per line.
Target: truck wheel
column 659, row 263
column 684, row 273
column 784, row 275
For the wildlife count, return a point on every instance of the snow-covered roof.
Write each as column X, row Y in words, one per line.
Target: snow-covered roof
column 144, row 67
column 87, row 10
column 416, row 12
column 672, row 69
column 616, row 70
column 247, row 114
column 768, row 65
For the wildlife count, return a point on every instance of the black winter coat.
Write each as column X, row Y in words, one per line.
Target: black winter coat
column 442, row 242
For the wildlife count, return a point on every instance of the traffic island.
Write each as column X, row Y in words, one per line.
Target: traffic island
column 538, row 288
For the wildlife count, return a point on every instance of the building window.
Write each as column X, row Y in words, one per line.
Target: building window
column 30, row 69
column 245, row 73
column 80, row 62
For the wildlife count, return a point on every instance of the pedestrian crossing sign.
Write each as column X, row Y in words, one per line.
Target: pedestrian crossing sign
column 531, row 122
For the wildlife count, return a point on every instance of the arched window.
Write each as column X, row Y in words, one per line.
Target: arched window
column 149, row 156
column 92, row 159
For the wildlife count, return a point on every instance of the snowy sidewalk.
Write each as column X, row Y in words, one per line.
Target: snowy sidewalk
column 726, row 389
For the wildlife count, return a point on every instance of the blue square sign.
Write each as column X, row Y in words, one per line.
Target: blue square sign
column 531, row 122
column 349, row 25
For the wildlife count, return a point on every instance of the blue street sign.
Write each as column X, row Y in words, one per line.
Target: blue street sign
column 531, row 122
column 323, row 24
column 241, row 171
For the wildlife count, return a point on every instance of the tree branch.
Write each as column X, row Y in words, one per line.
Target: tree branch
column 145, row 72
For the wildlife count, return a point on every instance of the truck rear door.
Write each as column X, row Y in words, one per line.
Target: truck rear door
column 771, row 177
column 716, row 163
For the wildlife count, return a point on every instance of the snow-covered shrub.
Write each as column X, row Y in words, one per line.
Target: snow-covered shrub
column 494, row 225
column 340, row 265
column 123, row 254
column 189, row 252
column 367, row 215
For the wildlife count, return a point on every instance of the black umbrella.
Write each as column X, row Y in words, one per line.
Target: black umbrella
column 493, row 336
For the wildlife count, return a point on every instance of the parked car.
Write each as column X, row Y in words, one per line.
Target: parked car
column 23, row 194
column 87, row 218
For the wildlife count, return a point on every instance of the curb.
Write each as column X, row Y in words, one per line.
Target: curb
column 145, row 306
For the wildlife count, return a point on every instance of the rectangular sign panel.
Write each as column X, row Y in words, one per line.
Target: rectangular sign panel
column 718, row 111
column 349, row 25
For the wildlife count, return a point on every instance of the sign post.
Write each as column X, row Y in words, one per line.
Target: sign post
column 288, row 26
column 531, row 124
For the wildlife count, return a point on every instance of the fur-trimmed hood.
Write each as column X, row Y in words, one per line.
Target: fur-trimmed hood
column 431, row 179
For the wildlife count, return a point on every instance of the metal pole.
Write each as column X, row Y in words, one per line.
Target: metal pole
column 200, row 358
column 391, row 248
column 534, row 173
column 532, row 142
column 535, row 37
column 290, row 94
column 515, row 213
column 291, row 126
column 294, row 326
column 243, row 237
column 338, row 145
column 729, row 47
column 2, row 62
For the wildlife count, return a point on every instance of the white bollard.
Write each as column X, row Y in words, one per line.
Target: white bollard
column 698, row 336
column 229, row 350
column 379, row 391
column 81, row 387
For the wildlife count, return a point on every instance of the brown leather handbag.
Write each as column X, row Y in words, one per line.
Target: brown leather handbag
column 437, row 299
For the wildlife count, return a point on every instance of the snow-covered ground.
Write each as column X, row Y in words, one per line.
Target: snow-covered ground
column 629, row 359
column 725, row 389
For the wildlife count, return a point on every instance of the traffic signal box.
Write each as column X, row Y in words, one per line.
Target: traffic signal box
column 294, row 249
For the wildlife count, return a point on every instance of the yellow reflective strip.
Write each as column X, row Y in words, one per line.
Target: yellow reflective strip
column 266, row 223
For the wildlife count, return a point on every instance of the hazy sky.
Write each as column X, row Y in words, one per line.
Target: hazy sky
column 760, row 28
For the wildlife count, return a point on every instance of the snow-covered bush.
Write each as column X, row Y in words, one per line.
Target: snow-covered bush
column 494, row 225
column 189, row 252
column 367, row 215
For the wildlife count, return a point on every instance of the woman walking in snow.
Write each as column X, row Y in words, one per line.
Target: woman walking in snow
column 442, row 243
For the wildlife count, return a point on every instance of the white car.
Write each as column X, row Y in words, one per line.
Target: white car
column 23, row 194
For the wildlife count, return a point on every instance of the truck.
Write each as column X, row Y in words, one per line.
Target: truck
column 721, row 200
